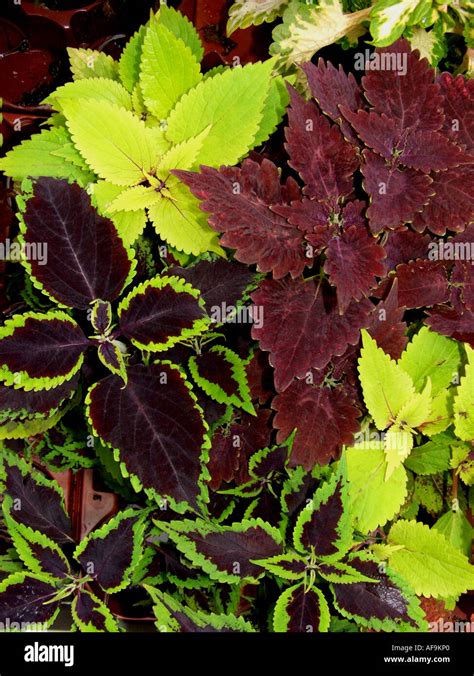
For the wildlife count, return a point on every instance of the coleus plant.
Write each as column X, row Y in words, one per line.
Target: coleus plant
column 120, row 127
column 307, row 27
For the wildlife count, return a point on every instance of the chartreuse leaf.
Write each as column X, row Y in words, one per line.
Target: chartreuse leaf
column 221, row 374
column 273, row 110
column 173, row 616
column 113, row 141
column 28, row 598
column 226, row 553
column 168, row 69
column 90, row 614
column 301, row 610
column 457, row 530
column 374, row 500
column 432, row 457
column 99, row 89
column 397, row 446
column 161, row 312
column 427, row 561
column 386, row 386
column 430, row 355
column 245, row 13
column 464, row 401
column 324, row 525
column 389, row 18
column 40, row 351
column 89, row 63
column 129, row 64
column 42, row 156
column 441, row 413
column 233, row 100
column 129, row 224
column 29, row 427
column 110, row 553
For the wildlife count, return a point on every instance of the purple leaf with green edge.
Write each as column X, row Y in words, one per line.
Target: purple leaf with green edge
column 161, row 312
column 248, row 434
column 422, row 283
column 265, row 506
column 332, row 88
column 396, row 194
column 26, row 598
column 403, row 246
column 354, row 260
column 40, row 352
column 265, row 462
column 111, row 356
column 90, row 614
column 302, row 327
column 324, row 419
column 37, row 502
column 221, row 374
column 156, row 428
column 226, row 553
column 239, row 201
column 287, row 566
column 458, row 109
column 101, row 317
column 110, row 553
column 388, row 328
column 412, row 100
column 220, row 282
column 452, row 206
column 318, row 152
column 341, row 573
column 387, row 604
column 16, row 401
column 299, row 610
column 324, row 527
column 296, row 491
column 87, row 259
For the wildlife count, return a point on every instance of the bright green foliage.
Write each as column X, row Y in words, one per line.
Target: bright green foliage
column 457, row 530
column 88, row 63
column 432, row 457
column 464, row 401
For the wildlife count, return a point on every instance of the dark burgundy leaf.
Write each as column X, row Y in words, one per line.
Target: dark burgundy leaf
column 51, row 562
column 25, row 600
column 224, row 459
column 220, row 282
column 107, row 558
column 320, row 533
column 251, row 433
column 263, row 464
column 302, row 327
column 101, row 317
column 456, row 322
column 383, row 600
column 239, row 201
column 458, row 108
column 332, row 88
column 48, row 346
column 353, row 261
column 309, row 216
column 267, row 507
column 86, row 258
column 318, row 151
column 40, row 506
column 304, row 610
column 260, row 377
column 41, row 402
column 463, row 275
column 156, row 426
column 88, row 611
column 325, row 419
column 387, row 327
column 422, row 283
column 215, row 368
column 404, row 246
column 397, row 194
column 110, row 355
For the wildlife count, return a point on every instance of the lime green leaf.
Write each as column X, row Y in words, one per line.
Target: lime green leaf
column 168, row 70
column 29, row 427
column 457, row 530
column 273, row 111
column 386, row 386
column 133, row 199
column 397, row 445
column 183, row 155
column 441, row 414
column 88, row 63
column 112, row 140
column 97, row 88
column 230, row 100
column 129, row 64
column 374, row 501
column 182, row 28
column 129, row 224
column 245, row 13
column 417, row 410
column 428, row 562
column 464, row 401
column 430, row 355
column 432, row 457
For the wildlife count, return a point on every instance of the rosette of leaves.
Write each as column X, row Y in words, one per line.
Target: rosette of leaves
column 120, row 127
column 146, row 409
column 344, row 257
column 307, row 27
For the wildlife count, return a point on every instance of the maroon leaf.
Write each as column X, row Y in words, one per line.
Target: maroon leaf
column 404, row 246
column 303, row 609
column 260, row 377
column 457, row 322
column 387, row 327
column 452, row 206
column 48, row 346
column 51, row 562
column 321, row 532
column 273, row 460
column 41, row 402
column 421, row 284
column 220, row 282
column 463, row 275
column 27, row 599
column 155, row 425
column 324, row 418
column 332, row 88
column 397, row 194
column 239, row 203
column 302, row 328
column 109, row 354
column 224, row 458
column 318, row 151
column 86, row 258
column 215, row 368
column 89, row 611
column 250, row 433
column 354, row 260
column 458, row 108
column 40, row 504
